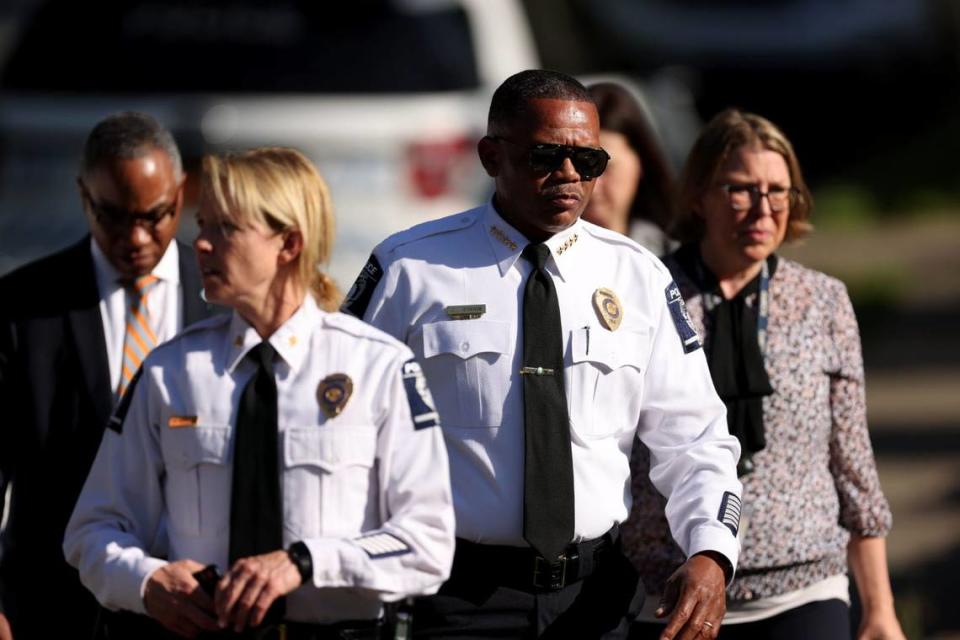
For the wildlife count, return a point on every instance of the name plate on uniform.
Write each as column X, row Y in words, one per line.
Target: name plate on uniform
column 178, row 422
column 465, row 311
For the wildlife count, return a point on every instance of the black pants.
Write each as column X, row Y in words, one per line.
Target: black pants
column 130, row 626
column 473, row 604
column 820, row 620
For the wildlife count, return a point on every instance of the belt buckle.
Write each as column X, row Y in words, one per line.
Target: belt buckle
column 550, row 575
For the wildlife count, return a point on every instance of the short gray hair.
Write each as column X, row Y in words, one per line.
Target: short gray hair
column 128, row 135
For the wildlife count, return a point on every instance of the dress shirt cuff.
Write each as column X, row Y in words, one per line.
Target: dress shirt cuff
column 143, row 571
column 713, row 536
column 332, row 566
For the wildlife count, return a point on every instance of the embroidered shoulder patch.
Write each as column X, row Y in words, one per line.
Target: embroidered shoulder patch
column 358, row 298
column 681, row 319
column 730, row 512
column 382, row 545
column 120, row 413
column 422, row 408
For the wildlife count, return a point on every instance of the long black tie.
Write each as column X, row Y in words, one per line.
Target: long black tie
column 548, row 463
column 256, row 506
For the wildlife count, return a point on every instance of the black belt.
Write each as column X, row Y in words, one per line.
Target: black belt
column 349, row 630
column 524, row 569
column 125, row 625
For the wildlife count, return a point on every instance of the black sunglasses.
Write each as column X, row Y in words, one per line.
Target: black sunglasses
column 547, row 158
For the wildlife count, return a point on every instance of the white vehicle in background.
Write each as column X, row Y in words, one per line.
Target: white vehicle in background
column 387, row 97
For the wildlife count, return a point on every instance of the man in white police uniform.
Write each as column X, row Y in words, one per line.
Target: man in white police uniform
column 550, row 344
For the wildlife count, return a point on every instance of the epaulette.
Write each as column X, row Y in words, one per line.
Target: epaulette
column 212, row 322
column 176, row 342
column 358, row 297
column 428, row 229
column 358, row 328
column 607, row 236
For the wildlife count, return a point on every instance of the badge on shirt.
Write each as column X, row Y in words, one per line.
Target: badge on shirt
column 333, row 392
column 358, row 298
column 681, row 319
column 422, row 408
column 608, row 308
column 465, row 311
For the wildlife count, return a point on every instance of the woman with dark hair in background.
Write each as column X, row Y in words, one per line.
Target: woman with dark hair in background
column 784, row 352
column 633, row 196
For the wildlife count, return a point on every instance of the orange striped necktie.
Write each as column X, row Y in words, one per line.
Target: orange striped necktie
column 140, row 337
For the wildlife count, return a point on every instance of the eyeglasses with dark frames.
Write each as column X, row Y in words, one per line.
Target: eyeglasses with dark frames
column 745, row 196
column 589, row 163
column 115, row 219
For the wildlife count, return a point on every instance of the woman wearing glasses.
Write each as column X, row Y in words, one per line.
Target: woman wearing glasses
column 279, row 468
column 784, row 352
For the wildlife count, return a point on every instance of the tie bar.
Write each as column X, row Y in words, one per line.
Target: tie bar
column 535, row 371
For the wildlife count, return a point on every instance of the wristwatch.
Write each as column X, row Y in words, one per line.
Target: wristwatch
column 300, row 556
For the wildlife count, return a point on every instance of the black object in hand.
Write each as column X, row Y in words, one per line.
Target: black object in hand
column 208, row 577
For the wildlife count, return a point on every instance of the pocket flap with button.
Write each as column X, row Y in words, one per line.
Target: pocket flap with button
column 188, row 447
column 330, row 448
column 465, row 338
column 611, row 350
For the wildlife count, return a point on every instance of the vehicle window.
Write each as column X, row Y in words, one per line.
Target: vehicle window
column 359, row 46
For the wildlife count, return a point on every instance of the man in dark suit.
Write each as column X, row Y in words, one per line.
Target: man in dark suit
column 73, row 327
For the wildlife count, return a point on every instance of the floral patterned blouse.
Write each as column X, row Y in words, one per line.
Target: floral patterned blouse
column 816, row 481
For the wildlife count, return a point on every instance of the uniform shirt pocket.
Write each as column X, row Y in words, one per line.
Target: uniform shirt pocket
column 198, row 479
column 466, row 363
column 329, row 481
column 605, row 380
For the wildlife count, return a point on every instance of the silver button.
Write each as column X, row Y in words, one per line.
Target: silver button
column 465, row 346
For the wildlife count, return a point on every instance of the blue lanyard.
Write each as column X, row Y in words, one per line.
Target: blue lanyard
column 763, row 307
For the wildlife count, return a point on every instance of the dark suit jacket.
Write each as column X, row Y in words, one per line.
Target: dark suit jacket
column 55, row 399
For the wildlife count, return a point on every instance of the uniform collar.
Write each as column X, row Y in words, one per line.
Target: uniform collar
column 563, row 245
column 507, row 243
column 290, row 341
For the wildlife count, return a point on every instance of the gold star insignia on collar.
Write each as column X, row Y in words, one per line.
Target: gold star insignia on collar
column 569, row 242
column 504, row 239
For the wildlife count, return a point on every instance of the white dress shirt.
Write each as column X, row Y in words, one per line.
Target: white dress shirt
column 367, row 490
column 164, row 304
column 634, row 380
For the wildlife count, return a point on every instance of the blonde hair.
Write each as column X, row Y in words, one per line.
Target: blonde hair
column 279, row 188
column 725, row 133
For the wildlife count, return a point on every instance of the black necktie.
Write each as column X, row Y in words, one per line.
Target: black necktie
column 256, row 507
column 548, row 464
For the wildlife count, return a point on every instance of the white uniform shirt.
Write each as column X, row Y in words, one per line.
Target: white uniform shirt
column 366, row 490
column 635, row 380
column 164, row 304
